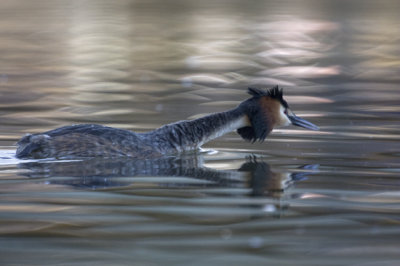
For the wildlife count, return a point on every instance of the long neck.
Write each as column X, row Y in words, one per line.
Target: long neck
column 191, row 134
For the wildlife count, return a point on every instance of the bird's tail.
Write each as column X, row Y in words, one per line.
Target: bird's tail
column 33, row 146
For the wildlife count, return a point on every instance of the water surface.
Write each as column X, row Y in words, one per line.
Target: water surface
column 329, row 197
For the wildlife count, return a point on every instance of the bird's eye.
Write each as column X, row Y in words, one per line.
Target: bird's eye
column 286, row 111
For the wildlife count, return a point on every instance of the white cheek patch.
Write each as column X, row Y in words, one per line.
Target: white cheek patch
column 283, row 119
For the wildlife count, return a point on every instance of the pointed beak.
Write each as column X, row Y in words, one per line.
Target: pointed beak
column 300, row 122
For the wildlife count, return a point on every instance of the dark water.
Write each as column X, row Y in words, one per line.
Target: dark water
column 330, row 197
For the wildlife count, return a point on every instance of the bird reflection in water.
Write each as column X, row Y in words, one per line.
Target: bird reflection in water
column 97, row 174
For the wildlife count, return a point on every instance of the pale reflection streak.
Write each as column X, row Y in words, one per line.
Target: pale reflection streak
column 303, row 71
column 295, row 45
column 214, row 46
column 377, row 45
column 99, row 54
column 308, row 100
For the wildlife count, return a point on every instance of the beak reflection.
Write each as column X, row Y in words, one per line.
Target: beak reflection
column 298, row 121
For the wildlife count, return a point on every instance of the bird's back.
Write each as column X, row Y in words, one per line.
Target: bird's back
column 87, row 140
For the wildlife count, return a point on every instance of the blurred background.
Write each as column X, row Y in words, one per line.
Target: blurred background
column 140, row 64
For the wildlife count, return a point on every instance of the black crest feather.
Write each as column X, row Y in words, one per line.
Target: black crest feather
column 275, row 93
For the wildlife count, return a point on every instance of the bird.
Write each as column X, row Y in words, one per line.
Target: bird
column 253, row 119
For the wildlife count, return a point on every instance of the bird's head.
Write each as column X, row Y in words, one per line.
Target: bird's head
column 267, row 110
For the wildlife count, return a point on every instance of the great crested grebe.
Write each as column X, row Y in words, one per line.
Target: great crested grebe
column 253, row 119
